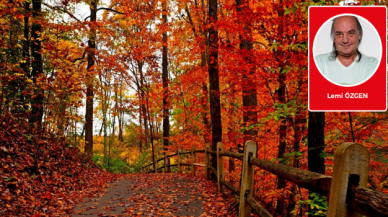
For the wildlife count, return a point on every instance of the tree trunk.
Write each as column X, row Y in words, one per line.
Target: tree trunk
column 297, row 137
column 115, row 109
column 105, row 142
column 141, row 128
column 204, row 60
column 205, row 92
column 26, row 49
column 166, row 117
column 37, row 64
column 61, row 117
column 104, row 120
column 280, row 208
column 205, row 96
column 351, row 127
column 248, row 87
column 89, row 81
column 143, row 107
column 215, row 105
column 232, row 130
column 121, row 116
column 152, row 138
column 316, row 142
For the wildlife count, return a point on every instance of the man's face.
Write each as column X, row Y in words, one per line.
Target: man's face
column 346, row 36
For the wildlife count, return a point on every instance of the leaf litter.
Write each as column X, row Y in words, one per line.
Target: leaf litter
column 163, row 194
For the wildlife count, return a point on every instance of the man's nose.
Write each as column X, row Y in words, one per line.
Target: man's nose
column 345, row 39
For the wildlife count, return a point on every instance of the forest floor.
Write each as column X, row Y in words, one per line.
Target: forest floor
column 46, row 177
column 161, row 194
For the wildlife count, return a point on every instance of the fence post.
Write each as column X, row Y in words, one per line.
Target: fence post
column 350, row 158
column 165, row 162
column 156, row 167
column 207, row 175
column 220, row 167
column 192, row 161
column 168, row 164
column 179, row 161
column 248, row 174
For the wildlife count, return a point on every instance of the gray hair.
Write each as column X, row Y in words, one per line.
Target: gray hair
column 332, row 32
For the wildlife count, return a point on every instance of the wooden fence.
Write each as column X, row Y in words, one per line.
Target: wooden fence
column 346, row 189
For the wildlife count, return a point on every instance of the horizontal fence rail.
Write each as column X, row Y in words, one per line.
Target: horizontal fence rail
column 315, row 182
column 346, row 189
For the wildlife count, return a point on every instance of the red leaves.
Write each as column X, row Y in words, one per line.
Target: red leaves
column 158, row 195
column 43, row 177
column 47, row 195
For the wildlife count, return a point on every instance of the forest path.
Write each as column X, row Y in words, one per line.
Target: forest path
column 160, row 194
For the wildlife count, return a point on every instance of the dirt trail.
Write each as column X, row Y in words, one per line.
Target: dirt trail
column 169, row 194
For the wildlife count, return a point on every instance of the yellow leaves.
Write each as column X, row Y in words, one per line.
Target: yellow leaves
column 314, row 205
column 133, row 96
column 19, row 74
column 125, row 23
column 122, row 23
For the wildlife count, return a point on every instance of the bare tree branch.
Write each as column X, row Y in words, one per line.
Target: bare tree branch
column 191, row 21
column 83, row 56
column 110, row 9
column 107, row 9
column 63, row 10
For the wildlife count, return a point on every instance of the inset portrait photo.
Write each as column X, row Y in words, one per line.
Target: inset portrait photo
column 347, row 50
column 347, row 58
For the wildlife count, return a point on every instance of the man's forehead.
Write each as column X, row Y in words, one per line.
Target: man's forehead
column 345, row 23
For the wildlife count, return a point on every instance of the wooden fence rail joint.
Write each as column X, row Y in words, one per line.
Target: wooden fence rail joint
column 246, row 194
column 369, row 203
column 354, row 181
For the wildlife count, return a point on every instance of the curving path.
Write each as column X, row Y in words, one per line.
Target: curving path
column 160, row 194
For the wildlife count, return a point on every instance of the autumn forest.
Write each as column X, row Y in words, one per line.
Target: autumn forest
column 92, row 91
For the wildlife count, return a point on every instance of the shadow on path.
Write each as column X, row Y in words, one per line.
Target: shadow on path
column 169, row 194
